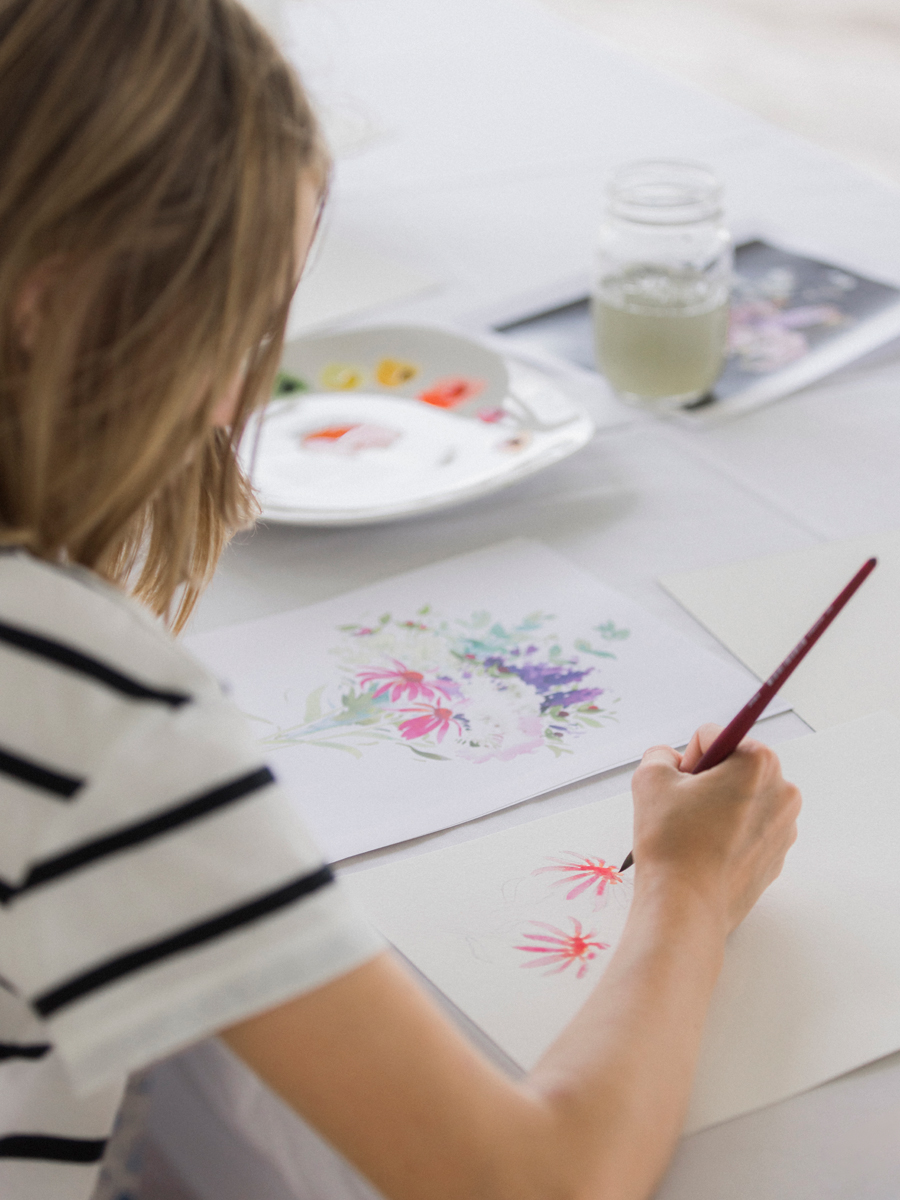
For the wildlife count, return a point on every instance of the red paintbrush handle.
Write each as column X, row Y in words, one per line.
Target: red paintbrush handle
column 727, row 741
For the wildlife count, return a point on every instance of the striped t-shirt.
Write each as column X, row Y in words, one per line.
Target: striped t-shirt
column 155, row 883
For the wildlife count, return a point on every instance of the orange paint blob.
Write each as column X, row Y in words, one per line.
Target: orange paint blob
column 328, row 435
column 448, row 393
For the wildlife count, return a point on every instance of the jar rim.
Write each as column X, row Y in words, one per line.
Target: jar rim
column 665, row 192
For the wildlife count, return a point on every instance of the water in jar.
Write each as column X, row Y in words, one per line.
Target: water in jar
column 660, row 332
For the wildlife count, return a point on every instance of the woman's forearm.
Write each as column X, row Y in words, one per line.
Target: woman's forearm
column 618, row 1079
column 380, row 1072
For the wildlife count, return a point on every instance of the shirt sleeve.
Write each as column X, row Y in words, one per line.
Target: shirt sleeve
column 176, row 893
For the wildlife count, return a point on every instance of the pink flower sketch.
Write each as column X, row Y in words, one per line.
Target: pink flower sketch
column 557, row 950
column 433, row 720
column 584, row 872
column 402, row 683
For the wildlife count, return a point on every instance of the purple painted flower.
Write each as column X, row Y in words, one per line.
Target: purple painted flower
column 567, row 699
column 541, row 676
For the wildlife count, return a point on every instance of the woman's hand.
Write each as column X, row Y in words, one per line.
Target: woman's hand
column 724, row 833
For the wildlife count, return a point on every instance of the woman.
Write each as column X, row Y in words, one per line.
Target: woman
column 161, row 182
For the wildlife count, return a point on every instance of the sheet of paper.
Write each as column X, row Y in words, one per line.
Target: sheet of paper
column 516, row 927
column 416, row 92
column 349, row 279
column 460, row 688
column 760, row 609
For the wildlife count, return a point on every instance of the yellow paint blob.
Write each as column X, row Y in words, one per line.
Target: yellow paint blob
column 392, row 372
column 338, row 377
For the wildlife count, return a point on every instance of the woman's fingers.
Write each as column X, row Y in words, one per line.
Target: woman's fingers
column 698, row 745
column 663, row 756
column 727, row 830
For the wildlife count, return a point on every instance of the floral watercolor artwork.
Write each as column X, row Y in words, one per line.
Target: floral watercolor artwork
column 460, row 688
column 472, row 689
column 555, row 950
column 767, row 328
column 580, row 884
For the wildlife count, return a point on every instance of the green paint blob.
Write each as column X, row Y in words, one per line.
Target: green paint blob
column 289, row 385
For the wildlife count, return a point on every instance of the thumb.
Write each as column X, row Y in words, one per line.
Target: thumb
column 663, row 756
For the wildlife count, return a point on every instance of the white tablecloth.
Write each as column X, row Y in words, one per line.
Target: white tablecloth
column 479, row 133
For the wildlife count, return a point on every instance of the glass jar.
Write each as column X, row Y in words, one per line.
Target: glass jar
column 662, row 284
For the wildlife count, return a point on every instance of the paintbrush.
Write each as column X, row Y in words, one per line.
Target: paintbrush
column 727, row 741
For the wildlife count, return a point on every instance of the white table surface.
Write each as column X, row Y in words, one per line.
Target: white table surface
column 481, row 132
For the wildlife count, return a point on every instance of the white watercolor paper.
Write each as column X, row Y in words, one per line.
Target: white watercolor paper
column 516, row 927
column 761, row 608
column 461, row 688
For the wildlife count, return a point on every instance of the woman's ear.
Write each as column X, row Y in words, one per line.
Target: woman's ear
column 30, row 305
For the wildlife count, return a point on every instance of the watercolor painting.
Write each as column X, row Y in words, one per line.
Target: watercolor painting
column 768, row 326
column 560, row 917
column 459, row 688
column 579, row 883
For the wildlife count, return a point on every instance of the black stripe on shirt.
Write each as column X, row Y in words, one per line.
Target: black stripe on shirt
column 52, row 1149
column 36, row 1050
column 142, row 831
column 63, row 786
column 74, row 660
column 186, row 939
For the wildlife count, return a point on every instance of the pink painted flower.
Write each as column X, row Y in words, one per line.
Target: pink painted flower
column 585, row 873
column 433, row 719
column 402, row 683
column 558, row 950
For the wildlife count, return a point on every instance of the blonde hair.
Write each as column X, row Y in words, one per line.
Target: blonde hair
column 150, row 156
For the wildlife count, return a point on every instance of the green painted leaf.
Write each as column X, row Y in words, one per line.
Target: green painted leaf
column 337, row 746
column 586, row 648
column 253, row 717
column 425, row 754
column 609, row 632
column 313, row 706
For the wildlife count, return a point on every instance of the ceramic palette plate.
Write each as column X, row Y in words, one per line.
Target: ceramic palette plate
column 381, row 423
